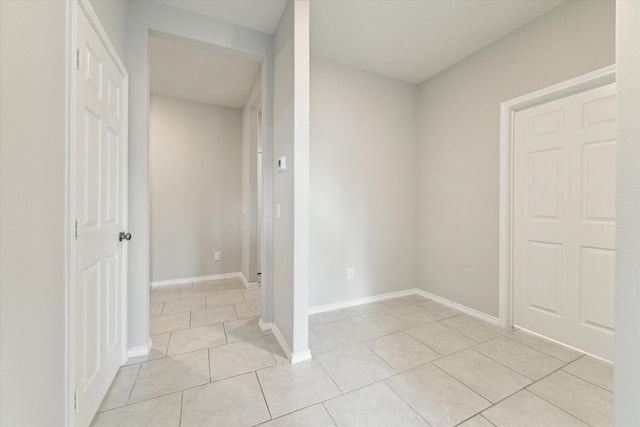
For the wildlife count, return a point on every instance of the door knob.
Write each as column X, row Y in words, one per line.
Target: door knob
column 124, row 236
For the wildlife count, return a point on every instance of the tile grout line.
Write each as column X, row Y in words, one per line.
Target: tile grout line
column 583, row 379
column 540, row 397
column 542, row 351
column 181, row 408
column 402, row 398
column 209, row 361
column 533, row 380
column 479, row 414
column 557, row 407
column 134, row 384
column 329, row 412
column 264, row 398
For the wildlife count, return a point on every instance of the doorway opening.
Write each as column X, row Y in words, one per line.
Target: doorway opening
column 203, row 136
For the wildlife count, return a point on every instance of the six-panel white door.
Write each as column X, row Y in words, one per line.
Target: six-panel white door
column 99, row 256
column 564, row 220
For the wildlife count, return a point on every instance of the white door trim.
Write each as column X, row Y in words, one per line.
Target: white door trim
column 73, row 8
column 508, row 109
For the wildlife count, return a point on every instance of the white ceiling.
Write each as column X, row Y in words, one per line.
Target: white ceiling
column 200, row 73
column 412, row 40
column 259, row 15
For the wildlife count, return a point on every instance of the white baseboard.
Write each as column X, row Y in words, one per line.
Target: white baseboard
column 281, row 341
column 300, row 356
column 414, row 291
column 463, row 308
column 265, row 326
column 247, row 284
column 141, row 350
column 297, row 357
column 360, row 301
column 186, row 280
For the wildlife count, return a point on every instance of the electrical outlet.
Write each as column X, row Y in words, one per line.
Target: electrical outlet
column 217, row 256
column 350, row 273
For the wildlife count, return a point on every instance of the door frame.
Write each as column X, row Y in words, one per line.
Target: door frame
column 508, row 109
column 73, row 9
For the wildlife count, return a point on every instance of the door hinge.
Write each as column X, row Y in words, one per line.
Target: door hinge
column 78, row 59
column 75, row 400
column 77, row 230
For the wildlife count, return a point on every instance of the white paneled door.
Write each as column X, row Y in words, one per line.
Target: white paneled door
column 565, row 219
column 100, row 216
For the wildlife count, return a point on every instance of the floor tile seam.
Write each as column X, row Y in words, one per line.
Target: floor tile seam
column 224, row 328
column 528, row 388
column 559, row 408
column 380, row 358
column 182, row 390
column 427, row 345
column 235, row 310
column 384, row 381
column 529, row 347
column 242, row 373
column 140, row 401
column 510, row 369
column 181, row 406
column 440, row 355
column 542, row 351
column 302, row 408
column 264, row 398
column 415, row 409
column 331, row 378
column 584, row 379
column 525, row 388
column 539, row 397
column 166, row 356
column 134, row 384
column 329, row 412
column 355, row 343
column 533, row 380
column 209, row 362
column 476, row 339
column 465, row 386
column 479, row 414
column 460, row 333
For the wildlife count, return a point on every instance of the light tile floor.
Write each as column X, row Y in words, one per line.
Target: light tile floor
column 401, row 362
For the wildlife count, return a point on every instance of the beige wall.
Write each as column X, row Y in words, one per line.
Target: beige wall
column 627, row 372
column 458, row 159
column 363, row 184
column 32, row 212
column 194, row 164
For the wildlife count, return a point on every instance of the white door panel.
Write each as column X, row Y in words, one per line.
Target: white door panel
column 564, row 219
column 99, row 176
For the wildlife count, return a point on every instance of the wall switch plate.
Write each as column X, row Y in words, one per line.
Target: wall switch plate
column 217, row 256
column 350, row 273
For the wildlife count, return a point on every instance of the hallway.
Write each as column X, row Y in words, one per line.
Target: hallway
column 404, row 361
